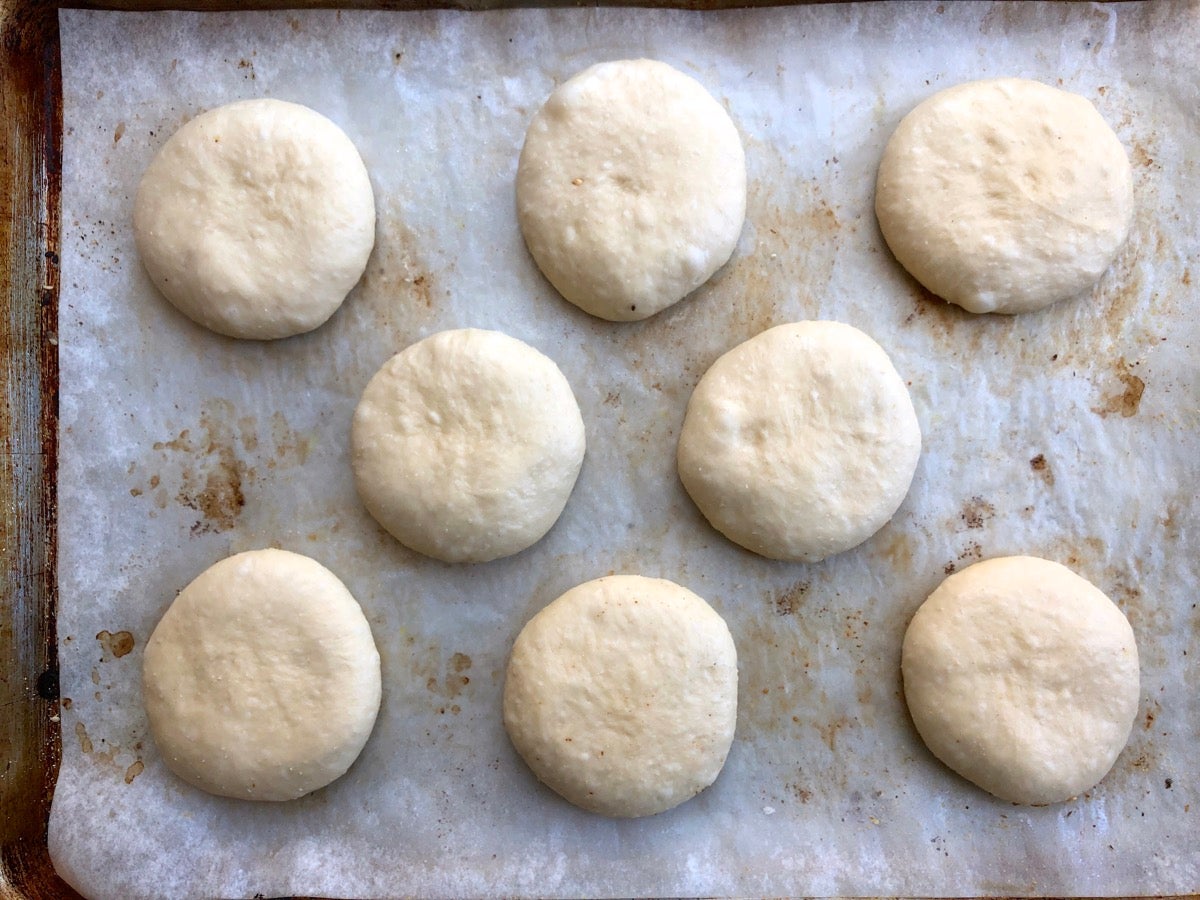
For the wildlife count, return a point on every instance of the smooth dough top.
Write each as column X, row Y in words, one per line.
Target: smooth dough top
column 262, row 680
column 466, row 445
column 256, row 219
column 800, row 442
column 621, row 695
column 1005, row 195
column 631, row 188
column 1022, row 677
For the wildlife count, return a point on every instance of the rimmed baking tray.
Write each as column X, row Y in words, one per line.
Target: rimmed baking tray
column 32, row 100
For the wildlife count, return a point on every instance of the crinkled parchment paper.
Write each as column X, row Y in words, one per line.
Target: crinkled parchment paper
column 1070, row 433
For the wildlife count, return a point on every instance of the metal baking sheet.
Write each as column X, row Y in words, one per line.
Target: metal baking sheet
column 1070, row 433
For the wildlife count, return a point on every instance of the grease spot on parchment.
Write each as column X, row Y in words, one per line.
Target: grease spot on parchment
column 114, row 645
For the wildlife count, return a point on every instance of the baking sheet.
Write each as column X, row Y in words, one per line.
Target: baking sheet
column 1070, row 433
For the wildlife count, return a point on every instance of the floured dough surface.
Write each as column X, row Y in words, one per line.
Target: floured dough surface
column 621, row 695
column 255, row 219
column 631, row 188
column 466, row 445
column 1022, row 677
column 1004, row 195
column 800, row 442
column 262, row 680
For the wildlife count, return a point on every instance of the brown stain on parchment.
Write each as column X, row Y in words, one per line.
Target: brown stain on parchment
column 108, row 756
column 115, row 644
column 1123, row 313
column 118, row 132
column 291, row 448
column 896, row 547
column 135, row 769
column 1140, row 156
column 398, row 295
column 966, row 334
column 780, row 272
column 1087, row 553
column 212, row 474
column 1127, row 400
column 451, row 682
column 789, row 601
column 221, row 499
column 830, row 730
column 970, row 554
column 85, row 742
column 776, row 674
column 1039, row 465
column 798, row 791
column 207, row 467
column 975, row 512
column 782, row 692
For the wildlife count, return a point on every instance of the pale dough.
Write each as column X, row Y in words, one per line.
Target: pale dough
column 1005, row 195
column 1022, row 677
column 255, row 219
column 262, row 680
column 621, row 695
column 466, row 445
column 800, row 442
column 631, row 188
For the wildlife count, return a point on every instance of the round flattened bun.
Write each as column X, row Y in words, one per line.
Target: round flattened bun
column 466, row 445
column 621, row 695
column 1004, row 195
column 1022, row 677
column 256, row 219
column 262, row 680
column 800, row 442
column 631, row 188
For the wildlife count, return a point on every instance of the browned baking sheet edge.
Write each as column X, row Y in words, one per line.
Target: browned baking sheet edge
column 31, row 108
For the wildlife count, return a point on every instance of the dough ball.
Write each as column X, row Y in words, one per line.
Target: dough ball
column 621, row 695
column 256, row 219
column 631, row 188
column 261, row 681
column 1005, row 195
column 1023, row 678
column 801, row 442
column 466, row 445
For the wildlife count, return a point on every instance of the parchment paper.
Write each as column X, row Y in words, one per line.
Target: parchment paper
column 1070, row 433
